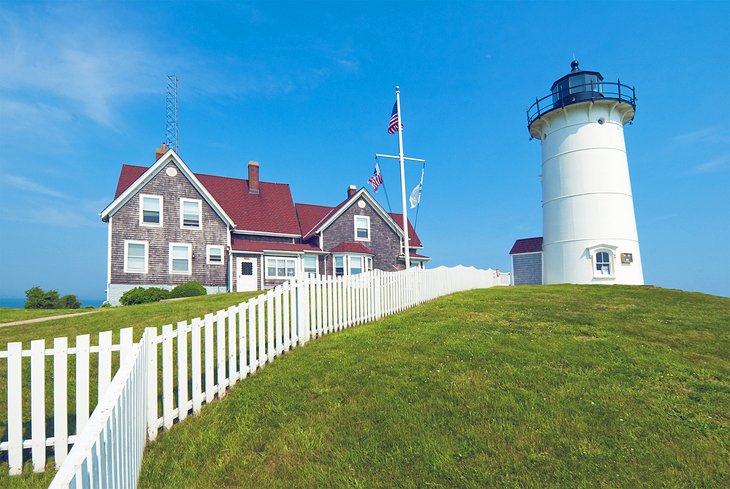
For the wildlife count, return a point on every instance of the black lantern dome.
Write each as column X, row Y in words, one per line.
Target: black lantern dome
column 580, row 86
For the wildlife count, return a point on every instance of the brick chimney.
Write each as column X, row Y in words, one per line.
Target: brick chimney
column 159, row 152
column 253, row 177
column 351, row 190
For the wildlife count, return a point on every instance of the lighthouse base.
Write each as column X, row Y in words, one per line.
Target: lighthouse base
column 592, row 262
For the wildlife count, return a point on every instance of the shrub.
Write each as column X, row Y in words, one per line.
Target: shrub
column 37, row 298
column 68, row 302
column 105, row 304
column 140, row 295
column 188, row 289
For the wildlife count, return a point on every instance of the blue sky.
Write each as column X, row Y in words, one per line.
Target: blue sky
column 307, row 89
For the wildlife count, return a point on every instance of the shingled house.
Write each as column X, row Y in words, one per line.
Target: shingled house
column 168, row 225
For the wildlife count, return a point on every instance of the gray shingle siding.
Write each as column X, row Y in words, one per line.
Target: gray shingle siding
column 384, row 241
column 527, row 269
column 125, row 226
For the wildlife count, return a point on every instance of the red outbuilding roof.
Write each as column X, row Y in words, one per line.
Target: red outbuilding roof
column 351, row 247
column 526, row 245
column 271, row 210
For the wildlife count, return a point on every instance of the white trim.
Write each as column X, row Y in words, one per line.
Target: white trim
column 207, row 254
column 168, row 157
column 527, row 253
column 321, row 225
column 199, row 227
column 354, row 224
column 190, row 259
column 109, row 256
column 316, row 261
column 266, row 233
column 161, row 200
column 286, row 266
column 146, row 255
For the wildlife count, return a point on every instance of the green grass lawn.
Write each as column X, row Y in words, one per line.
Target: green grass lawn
column 107, row 319
column 554, row 386
column 9, row 315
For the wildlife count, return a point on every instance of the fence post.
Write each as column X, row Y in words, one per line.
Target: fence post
column 195, row 367
column 221, row 351
column 242, row 344
column 167, row 376
column 209, row 376
column 60, row 400
column 182, row 370
column 82, row 382
column 285, row 290
column 151, row 383
column 232, row 342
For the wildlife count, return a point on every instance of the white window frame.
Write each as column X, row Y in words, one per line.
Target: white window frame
column 141, row 210
column 183, row 200
column 276, row 267
column 190, row 259
column 146, row 255
column 354, row 224
column 208, row 249
column 316, row 261
column 344, row 264
column 366, row 264
column 611, row 266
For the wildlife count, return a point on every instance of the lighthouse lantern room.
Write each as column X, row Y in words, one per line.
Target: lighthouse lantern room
column 589, row 228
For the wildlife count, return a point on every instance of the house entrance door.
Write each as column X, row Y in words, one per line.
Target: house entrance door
column 246, row 274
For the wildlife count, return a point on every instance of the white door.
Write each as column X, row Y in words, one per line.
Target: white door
column 246, row 274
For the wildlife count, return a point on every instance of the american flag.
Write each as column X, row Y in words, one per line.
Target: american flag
column 394, row 125
column 377, row 179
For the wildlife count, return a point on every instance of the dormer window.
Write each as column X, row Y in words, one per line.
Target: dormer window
column 362, row 228
column 150, row 210
column 602, row 256
column 190, row 213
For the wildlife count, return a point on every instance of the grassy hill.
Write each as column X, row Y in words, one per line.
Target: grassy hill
column 555, row 386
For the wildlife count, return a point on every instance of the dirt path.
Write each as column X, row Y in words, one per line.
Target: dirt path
column 46, row 318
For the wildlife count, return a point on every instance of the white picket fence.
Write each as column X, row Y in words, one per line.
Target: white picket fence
column 170, row 374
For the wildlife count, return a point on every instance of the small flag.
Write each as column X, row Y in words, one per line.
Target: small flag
column 393, row 125
column 415, row 197
column 377, row 179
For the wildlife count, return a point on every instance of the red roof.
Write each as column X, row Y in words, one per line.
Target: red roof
column 312, row 215
column 272, row 210
column 412, row 236
column 526, row 245
column 414, row 255
column 259, row 246
column 351, row 247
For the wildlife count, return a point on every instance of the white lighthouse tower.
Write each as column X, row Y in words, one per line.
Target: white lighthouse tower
column 589, row 228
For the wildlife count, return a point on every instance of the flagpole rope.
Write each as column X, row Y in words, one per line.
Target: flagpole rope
column 418, row 207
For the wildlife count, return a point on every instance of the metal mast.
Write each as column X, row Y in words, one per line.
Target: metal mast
column 171, row 131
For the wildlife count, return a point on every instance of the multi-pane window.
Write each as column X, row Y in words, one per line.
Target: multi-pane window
column 281, row 267
column 603, row 263
column 180, row 258
column 355, row 265
column 362, row 228
column 135, row 256
column 310, row 264
column 150, row 210
column 190, row 213
column 215, row 254
column 339, row 265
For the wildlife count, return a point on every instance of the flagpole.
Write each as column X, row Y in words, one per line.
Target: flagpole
column 406, row 244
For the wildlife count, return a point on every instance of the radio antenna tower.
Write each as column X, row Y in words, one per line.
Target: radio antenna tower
column 171, row 131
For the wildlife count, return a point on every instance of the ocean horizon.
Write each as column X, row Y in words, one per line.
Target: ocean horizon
column 18, row 303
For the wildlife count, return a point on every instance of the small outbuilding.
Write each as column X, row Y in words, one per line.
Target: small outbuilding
column 526, row 255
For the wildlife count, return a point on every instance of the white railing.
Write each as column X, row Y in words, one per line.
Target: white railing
column 170, row 374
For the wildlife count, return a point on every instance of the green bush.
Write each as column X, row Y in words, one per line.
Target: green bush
column 68, row 302
column 188, row 289
column 140, row 295
column 37, row 298
column 105, row 304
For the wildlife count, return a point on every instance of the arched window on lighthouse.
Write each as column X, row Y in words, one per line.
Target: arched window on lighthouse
column 602, row 257
column 603, row 263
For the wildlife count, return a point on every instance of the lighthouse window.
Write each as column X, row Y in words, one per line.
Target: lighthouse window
column 603, row 263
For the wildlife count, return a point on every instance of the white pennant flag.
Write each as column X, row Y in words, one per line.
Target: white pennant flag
column 415, row 197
